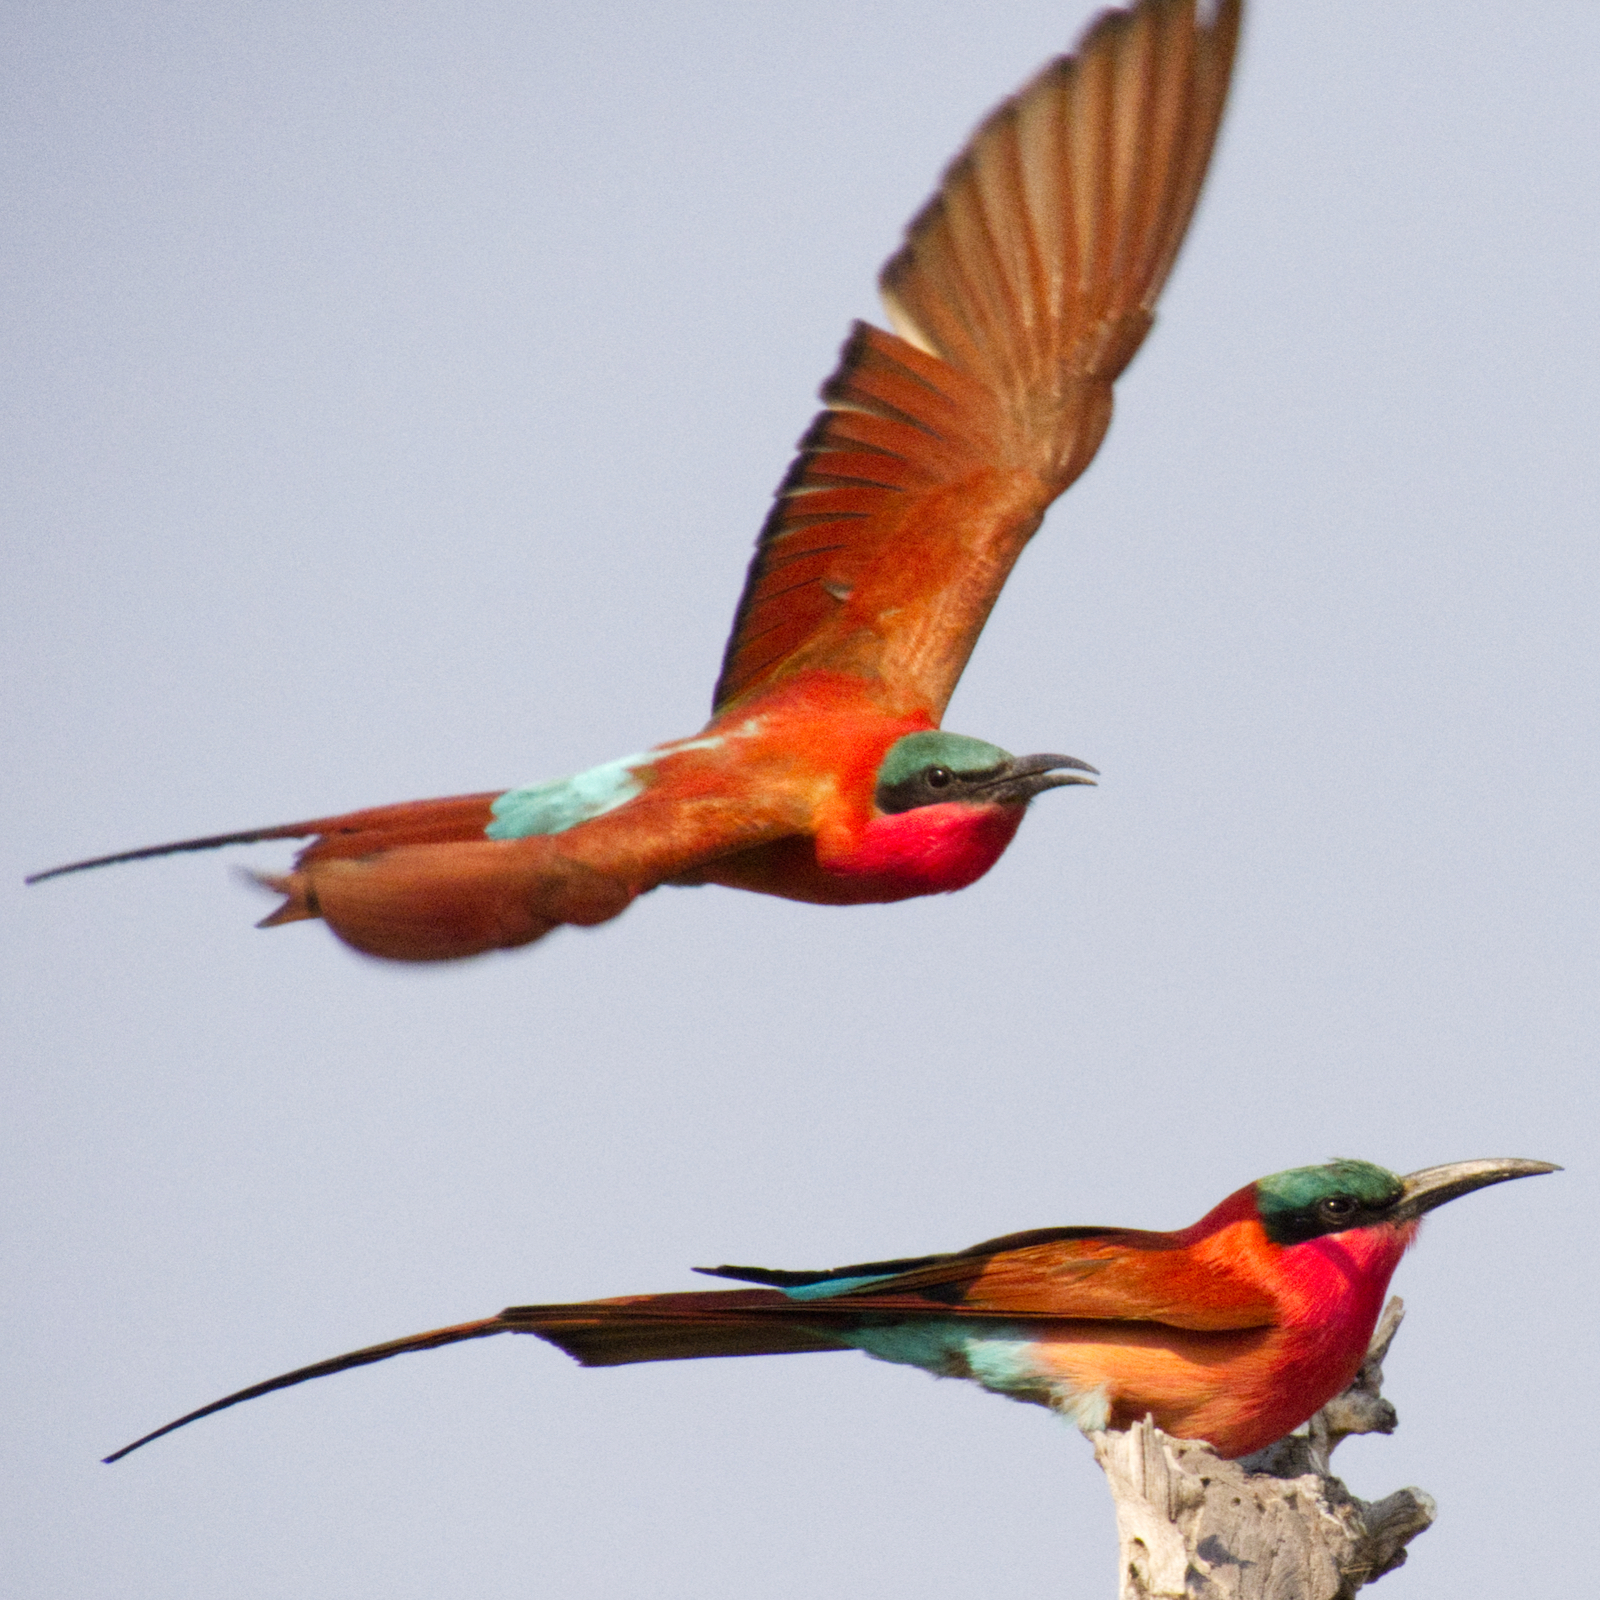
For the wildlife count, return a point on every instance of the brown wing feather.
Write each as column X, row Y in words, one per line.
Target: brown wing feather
column 1094, row 1274
column 1129, row 1277
column 860, row 533
column 1021, row 293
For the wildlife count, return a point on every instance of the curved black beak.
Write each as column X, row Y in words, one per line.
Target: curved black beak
column 1433, row 1186
column 1022, row 777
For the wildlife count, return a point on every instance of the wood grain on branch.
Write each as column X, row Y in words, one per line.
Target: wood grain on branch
column 1273, row 1526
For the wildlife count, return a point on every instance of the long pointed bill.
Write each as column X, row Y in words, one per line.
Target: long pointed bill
column 1022, row 777
column 1433, row 1186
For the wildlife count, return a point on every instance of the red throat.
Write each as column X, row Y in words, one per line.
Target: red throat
column 931, row 850
column 1332, row 1289
column 1343, row 1277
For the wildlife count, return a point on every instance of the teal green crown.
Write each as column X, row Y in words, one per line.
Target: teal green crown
column 1307, row 1202
column 918, row 751
column 1301, row 1187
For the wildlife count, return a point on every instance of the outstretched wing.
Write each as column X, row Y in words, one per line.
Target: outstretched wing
column 1023, row 289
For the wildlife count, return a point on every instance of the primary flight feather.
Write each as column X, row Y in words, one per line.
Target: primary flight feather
column 1022, row 291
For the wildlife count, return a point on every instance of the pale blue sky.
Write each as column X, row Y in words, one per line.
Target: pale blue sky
column 396, row 393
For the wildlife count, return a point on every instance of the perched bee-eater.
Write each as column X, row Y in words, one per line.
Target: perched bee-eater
column 1234, row 1330
column 1022, row 290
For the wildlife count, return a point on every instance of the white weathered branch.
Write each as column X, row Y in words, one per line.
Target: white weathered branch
column 1273, row 1526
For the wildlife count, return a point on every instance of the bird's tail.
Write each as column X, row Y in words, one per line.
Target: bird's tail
column 355, row 833
column 673, row 1327
column 596, row 1333
column 321, row 1369
column 461, row 896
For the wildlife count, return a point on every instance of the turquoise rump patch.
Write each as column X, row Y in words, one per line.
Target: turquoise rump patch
column 1002, row 1357
column 833, row 1286
column 998, row 1357
column 562, row 803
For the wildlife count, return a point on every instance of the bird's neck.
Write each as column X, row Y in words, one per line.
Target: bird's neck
column 1331, row 1290
column 1328, row 1290
column 930, row 850
column 1341, row 1278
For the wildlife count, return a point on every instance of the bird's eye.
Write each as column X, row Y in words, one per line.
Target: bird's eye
column 939, row 777
column 1337, row 1206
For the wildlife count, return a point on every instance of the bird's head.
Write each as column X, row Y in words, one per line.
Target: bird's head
column 1310, row 1202
column 944, row 809
column 935, row 768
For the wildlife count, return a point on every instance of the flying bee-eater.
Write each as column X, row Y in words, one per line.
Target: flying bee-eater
column 1234, row 1330
column 1022, row 290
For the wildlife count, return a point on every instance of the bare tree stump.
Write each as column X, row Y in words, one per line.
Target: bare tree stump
column 1273, row 1526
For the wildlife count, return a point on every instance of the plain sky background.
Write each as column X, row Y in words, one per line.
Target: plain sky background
column 396, row 391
